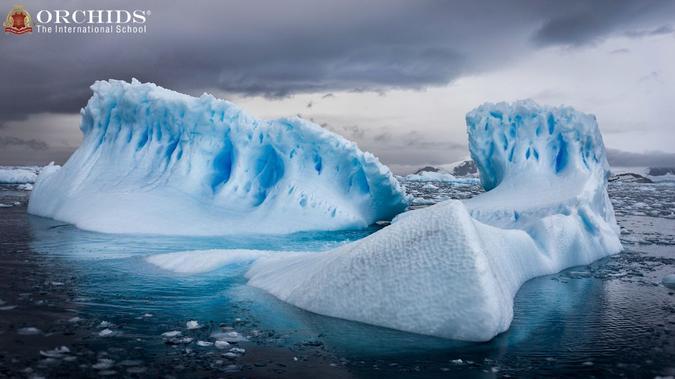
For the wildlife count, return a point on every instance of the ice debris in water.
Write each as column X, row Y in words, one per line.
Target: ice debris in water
column 103, row 364
column 157, row 161
column 204, row 343
column 221, row 344
column 229, row 336
column 55, row 353
column 106, row 333
column 452, row 269
column 28, row 331
column 171, row 334
column 192, row 325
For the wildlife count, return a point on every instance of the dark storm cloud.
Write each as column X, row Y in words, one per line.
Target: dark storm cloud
column 618, row 158
column 582, row 22
column 277, row 48
column 32, row 144
column 665, row 29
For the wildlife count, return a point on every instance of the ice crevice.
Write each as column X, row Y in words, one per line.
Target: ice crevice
column 452, row 270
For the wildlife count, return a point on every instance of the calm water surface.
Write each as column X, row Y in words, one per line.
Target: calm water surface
column 95, row 294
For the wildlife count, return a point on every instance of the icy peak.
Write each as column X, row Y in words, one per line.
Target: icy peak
column 507, row 140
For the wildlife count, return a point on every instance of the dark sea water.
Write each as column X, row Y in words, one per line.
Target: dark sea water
column 83, row 304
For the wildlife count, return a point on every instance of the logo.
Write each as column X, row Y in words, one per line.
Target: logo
column 18, row 21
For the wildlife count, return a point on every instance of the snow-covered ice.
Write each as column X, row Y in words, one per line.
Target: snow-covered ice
column 440, row 176
column 452, row 270
column 25, row 187
column 172, row 333
column 18, row 175
column 221, row 344
column 228, row 336
column 192, row 324
column 193, row 262
column 431, row 176
column 28, row 331
column 157, row 161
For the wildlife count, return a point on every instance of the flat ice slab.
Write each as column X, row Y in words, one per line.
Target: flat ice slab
column 160, row 162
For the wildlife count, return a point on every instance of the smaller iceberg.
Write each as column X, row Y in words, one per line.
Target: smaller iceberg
column 18, row 175
column 453, row 269
column 159, row 162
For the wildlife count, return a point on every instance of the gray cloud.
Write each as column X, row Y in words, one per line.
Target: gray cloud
column 620, row 51
column 665, row 29
column 300, row 46
column 32, row 144
column 618, row 158
column 578, row 23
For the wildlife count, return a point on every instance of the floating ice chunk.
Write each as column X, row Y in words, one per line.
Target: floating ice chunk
column 103, row 364
column 205, row 343
column 431, row 176
column 28, row 331
column 452, row 270
column 18, row 175
column 173, row 333
column 192, row 262
column 105, row 324
column 106, row 333
column 192, row 325
column 221, row 344
column 230, row 336
column 55, row 353
column 157, row 161
column 25, row 187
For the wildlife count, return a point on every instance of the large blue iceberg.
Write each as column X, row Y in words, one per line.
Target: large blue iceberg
column 157, row 161
column 453, row 269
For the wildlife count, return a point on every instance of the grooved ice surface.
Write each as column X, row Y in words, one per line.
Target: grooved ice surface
column 452, row 269
column 157, row 161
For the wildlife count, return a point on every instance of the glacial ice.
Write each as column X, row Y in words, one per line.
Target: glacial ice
column 18, row 175
column 453, row 269
column 160, row 162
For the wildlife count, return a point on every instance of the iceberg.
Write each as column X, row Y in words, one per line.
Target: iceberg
column 156, row 161
column 453, row 269
column 18, row 175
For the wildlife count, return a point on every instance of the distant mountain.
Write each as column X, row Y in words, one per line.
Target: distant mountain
column 460, row 169
column 464, row 168
column 427, row 169
column 629, row 177
column 660, row 171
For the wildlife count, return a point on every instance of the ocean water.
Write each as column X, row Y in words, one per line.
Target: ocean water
column 96, row 295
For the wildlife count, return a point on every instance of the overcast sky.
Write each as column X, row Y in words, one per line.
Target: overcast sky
column 395, row 76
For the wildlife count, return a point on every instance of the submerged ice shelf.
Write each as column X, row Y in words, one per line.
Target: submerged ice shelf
column 160, row 162
column 452, row 270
